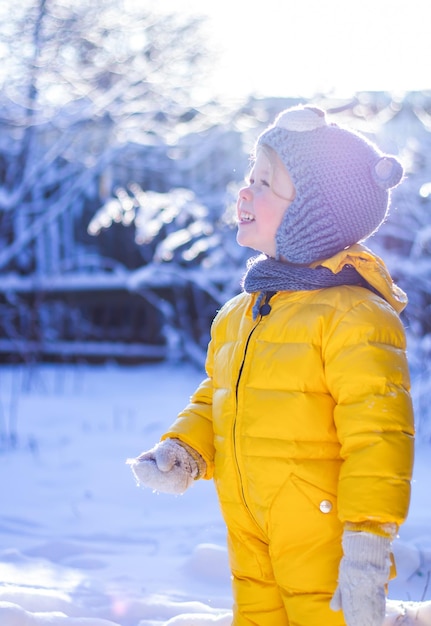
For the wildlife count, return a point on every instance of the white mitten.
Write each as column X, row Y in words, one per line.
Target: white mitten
column 362, row 576
column 169, row 467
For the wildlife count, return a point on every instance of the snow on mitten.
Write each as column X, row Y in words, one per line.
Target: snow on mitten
column 362, row 577
column 169, row 467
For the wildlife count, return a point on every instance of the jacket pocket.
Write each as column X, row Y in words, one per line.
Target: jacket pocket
column 320, row 499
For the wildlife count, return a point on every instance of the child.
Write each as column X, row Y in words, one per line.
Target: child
column 305, row 419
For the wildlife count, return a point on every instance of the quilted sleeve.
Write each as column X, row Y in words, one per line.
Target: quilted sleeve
column 367, row 374
column 194, row 424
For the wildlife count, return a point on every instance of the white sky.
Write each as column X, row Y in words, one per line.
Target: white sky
column 300, row 47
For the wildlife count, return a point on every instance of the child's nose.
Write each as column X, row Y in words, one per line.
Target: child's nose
column 245, row 193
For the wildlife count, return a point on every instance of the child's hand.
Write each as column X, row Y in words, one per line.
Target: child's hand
column 363, row 574
column 168, row 467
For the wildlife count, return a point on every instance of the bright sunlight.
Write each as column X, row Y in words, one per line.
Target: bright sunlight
column 279, row 48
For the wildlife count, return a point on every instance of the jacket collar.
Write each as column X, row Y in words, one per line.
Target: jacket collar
column 372, row 269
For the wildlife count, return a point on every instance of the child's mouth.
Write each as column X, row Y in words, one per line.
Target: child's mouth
column 245, row 217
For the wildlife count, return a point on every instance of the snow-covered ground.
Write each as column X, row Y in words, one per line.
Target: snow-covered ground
column 82, row 545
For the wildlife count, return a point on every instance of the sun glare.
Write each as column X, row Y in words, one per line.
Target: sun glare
column 302, row 48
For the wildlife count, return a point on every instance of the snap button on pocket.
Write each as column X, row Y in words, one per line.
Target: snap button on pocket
column 325, row 506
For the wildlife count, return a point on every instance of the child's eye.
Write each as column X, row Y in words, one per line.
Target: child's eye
column 262, row 181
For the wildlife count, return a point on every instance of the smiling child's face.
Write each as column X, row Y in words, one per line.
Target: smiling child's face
column 263, row 202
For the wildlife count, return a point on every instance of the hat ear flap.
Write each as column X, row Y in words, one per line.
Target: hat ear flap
column 387, row 172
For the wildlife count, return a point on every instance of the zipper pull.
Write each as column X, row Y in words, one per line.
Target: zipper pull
column 265, row 309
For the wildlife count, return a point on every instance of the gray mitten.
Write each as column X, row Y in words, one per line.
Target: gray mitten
column 169, row 467
column 362, row 577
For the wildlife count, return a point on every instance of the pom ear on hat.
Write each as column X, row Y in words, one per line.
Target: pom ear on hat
column 301, row 119
column 387, row 172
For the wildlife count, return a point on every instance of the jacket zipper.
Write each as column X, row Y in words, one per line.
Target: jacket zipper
column 264, row 310
column 235, row 422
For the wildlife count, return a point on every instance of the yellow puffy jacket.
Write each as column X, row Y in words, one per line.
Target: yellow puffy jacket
column 317, row 391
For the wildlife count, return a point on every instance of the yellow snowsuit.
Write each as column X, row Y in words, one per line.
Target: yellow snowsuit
column 305, row 422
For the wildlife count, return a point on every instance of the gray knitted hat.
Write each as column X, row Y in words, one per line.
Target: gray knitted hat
column 342, row 184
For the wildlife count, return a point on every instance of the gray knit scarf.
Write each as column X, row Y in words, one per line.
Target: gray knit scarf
column 266, row 275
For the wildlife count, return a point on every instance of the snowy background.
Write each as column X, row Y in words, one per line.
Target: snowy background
column 81, row 544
